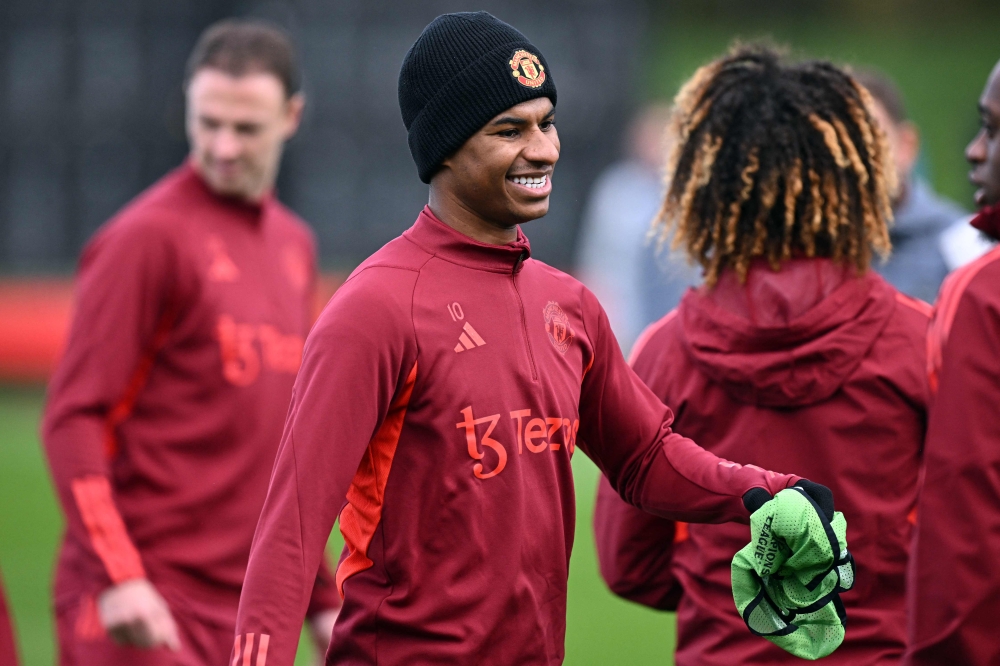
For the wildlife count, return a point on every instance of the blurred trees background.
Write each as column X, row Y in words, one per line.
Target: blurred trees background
column 91, row 109
column 92, row 112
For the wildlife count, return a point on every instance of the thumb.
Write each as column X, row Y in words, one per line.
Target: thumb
column 171, row 635
column 820, row 494
column 164, row 629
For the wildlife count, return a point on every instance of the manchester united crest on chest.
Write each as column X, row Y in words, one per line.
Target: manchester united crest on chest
column 557, row 326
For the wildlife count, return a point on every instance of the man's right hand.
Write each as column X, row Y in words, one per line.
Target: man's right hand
column 133, row 613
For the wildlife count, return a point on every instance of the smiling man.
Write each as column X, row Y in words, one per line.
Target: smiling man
column 166, row 410
column 443, row 392
column 954, row 586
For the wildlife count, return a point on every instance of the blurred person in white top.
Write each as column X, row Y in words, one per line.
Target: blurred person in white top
column 918, row 263
column 636, row 284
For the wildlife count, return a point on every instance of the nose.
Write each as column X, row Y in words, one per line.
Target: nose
column 975, row 152
column 543, row 148
column 226, row 145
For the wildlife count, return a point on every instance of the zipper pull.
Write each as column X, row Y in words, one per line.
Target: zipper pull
column 520, row 260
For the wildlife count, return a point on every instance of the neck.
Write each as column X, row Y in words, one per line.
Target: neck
column 450, row 210
column 902, row 194
column 253, row 197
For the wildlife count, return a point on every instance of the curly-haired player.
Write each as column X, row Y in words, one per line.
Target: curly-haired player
column 792, row 352
column 776, row 161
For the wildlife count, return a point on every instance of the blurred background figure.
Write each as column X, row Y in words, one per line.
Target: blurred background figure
column 165, row 413
column 953, row 590
column 961, row 244
column 918, row 264
column 636, row 284
column 8, row 648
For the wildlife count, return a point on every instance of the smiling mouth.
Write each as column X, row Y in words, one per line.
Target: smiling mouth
column 535, row 183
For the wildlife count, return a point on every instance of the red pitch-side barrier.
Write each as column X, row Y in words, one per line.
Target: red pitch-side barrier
column 35, row 316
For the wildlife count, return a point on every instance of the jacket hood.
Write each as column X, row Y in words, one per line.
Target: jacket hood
column 789, row 338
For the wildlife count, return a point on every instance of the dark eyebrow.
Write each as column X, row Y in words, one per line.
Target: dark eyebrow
column 509, row 120
column 514, row 120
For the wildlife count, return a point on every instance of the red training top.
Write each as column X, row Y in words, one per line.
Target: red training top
column 165, row 412
column 442, row 393
column 811, row 369
column 954, row 584
column 8, row 648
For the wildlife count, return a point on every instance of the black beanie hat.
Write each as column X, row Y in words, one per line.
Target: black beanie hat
column 463, row 70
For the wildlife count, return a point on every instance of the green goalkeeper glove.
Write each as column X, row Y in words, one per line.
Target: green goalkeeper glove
column 787, row 581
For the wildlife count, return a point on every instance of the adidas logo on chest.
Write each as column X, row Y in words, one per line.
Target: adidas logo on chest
column 469, row 338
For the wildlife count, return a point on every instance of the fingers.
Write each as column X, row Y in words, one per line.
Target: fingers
column 133, row 613
column 167, row 633
column 161, row 629
column 147, row 633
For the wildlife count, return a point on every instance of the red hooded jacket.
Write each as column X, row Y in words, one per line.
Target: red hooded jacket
column 811, row 369
column 954, row 585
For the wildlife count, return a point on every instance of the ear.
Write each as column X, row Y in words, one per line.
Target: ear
column 293, row 114
column 909, row 146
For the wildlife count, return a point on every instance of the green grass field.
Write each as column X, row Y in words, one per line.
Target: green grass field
column 601, row 628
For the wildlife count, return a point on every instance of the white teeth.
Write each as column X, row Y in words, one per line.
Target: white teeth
column 532, row 182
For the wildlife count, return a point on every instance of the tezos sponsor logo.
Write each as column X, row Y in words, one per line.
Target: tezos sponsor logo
column 534, row 433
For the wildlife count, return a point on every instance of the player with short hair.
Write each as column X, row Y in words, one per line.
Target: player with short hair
column 165, row 413
column 794, row 352
column 954, row 584
column 444, row 390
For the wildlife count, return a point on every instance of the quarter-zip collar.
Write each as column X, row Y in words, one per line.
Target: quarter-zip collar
column 437, row 238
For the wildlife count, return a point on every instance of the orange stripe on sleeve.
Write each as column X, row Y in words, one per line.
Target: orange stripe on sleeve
column 247, row 650
column 88, row 620
column 363, row 513
column 236, row 652
column 108, row 535
column 262, row 649
column 123, row 408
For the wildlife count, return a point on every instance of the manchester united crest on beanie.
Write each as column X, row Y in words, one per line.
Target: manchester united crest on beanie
column 463, row 70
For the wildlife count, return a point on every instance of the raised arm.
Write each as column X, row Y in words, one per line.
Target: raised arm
column 625, row 430
column 358, row 369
